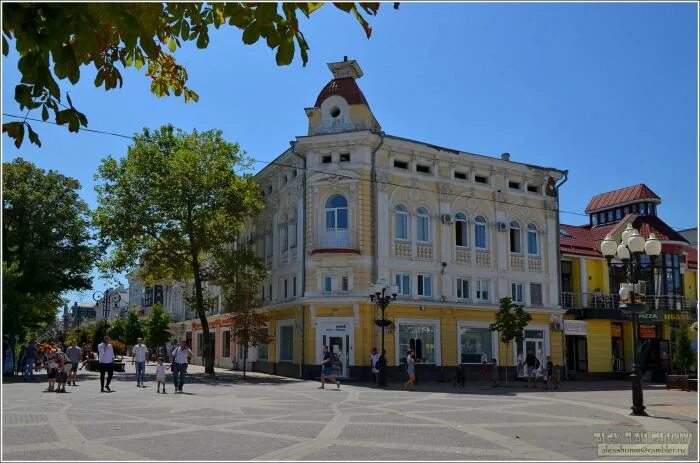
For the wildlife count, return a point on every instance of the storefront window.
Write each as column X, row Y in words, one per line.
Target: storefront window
column 533, row 342
column 262, row 352
column 419, row 337
column 286, row 343
column 475, row 345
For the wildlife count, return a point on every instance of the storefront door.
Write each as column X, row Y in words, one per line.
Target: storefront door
column 533, row 342
column 337, row 334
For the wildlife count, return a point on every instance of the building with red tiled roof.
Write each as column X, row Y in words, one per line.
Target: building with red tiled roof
column 622, row 197
column 598, row 330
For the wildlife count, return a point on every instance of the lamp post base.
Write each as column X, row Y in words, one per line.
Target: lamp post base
column 638, row 408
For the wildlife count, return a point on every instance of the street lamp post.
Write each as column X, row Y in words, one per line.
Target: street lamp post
column 382, row 295
column 107, row 296
column 628, row 251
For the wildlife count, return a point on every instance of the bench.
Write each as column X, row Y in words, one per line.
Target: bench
column 679, row 382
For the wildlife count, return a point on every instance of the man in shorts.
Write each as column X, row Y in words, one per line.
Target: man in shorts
column 327, row 369
column 74, row 354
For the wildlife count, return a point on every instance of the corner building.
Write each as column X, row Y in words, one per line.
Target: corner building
column 348, row 205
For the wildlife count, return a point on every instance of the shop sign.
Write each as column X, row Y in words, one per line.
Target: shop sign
column 647, row 331
column 616, row 331
column 665, row 315
column 575, row 327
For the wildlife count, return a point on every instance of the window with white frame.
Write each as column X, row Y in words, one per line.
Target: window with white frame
column 328, row 283
column 422, row 337
column 425, row 287
column 285, row 340
column 481, row 290
column 516, row 292
column 461, row 229
column 262, row 352
column 403, row 281
column 462, row 288
column 292, row 232
column 422, row 225
column 480, row 232
column 286, row 294
column 536, row 294
column 283, row 236
column 401, row 222
column 515, row 240
column 336, row 213
column 532, row 244
column 475, row 344
column 294, row 286
column 345, row 283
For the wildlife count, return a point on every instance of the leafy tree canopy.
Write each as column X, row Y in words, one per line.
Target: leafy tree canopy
column 511, row 320
column 134, row 328
column 174, row 201
column 46, row 244
column 54, row 40
column 157, row 332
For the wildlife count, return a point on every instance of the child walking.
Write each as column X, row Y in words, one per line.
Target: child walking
column 485, row 379
column 160, row 373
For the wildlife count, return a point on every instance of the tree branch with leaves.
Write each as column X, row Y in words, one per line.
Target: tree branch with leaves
column 511, row 320
column 56, row 40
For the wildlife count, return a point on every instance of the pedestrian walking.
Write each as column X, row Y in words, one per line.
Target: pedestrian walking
column 181, row 356
column 27, row 360
column 105, row 354
column 485, row 373
column 327, row 369
column 411, row 370
column 373, row 361
column 552, row 378
column 160, row 373
column 51, row 363
column 74, row 354
column 139, row 352
column 532, row 364
column 61, row 375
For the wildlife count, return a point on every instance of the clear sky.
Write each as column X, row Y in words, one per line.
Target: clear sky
column 607, row 91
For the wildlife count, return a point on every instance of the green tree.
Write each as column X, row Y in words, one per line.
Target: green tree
column 157, row 331
column 511, row 320
column 240, row 274
column 170, row 204
column 55, row 40
column 683, row 355
column 46, row 245
column 101, row 329
column 133, row 328
column 118, row 329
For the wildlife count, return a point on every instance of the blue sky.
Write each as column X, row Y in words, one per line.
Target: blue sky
column 607, row 91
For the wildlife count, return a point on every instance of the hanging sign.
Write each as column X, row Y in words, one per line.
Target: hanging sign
column 575, row 327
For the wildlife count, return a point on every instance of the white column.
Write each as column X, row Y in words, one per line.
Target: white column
column 583, row 283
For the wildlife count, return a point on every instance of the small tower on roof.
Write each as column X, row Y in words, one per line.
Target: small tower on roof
column 341, row 106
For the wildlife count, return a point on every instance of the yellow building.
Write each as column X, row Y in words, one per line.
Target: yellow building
column 598, row 334
column 349, row 205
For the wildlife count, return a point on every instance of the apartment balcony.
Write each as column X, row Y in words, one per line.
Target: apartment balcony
column 334, row 240
column 571, row 300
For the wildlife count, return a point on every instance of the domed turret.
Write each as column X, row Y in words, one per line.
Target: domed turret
column 341, row 106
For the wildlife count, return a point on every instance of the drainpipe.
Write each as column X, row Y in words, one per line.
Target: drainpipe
column 375, row 212
column 563, row 344
column 375, row 219
column 303, row 256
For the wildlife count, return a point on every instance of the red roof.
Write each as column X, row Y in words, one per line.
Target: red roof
column 585, row 240
column 345, row 87
column 621, row 196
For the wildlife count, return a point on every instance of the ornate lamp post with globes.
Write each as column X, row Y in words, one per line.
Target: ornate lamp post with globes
column 629, row 251
column 382, row 295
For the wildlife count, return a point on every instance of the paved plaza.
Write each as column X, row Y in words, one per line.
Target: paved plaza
column 273, row 418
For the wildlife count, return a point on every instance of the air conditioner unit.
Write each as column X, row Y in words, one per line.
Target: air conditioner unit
column 557, row 326
column 446, row 218
column 501, row 226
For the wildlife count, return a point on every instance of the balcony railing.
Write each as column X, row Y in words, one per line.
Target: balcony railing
column 332, row 239
column 571, row 300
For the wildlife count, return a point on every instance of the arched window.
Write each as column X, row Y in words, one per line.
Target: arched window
column 480, row 232
column 422, row 225
column 461, row 230
column 336, row 213
column 515, row 246
column 401, row 222
column 292, row 232
column 532, row 245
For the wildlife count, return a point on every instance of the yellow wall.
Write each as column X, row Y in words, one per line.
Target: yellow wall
column 575, row 275
column 599, row 346
column 364, row 333
column 690, row 288
column 594, row 269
